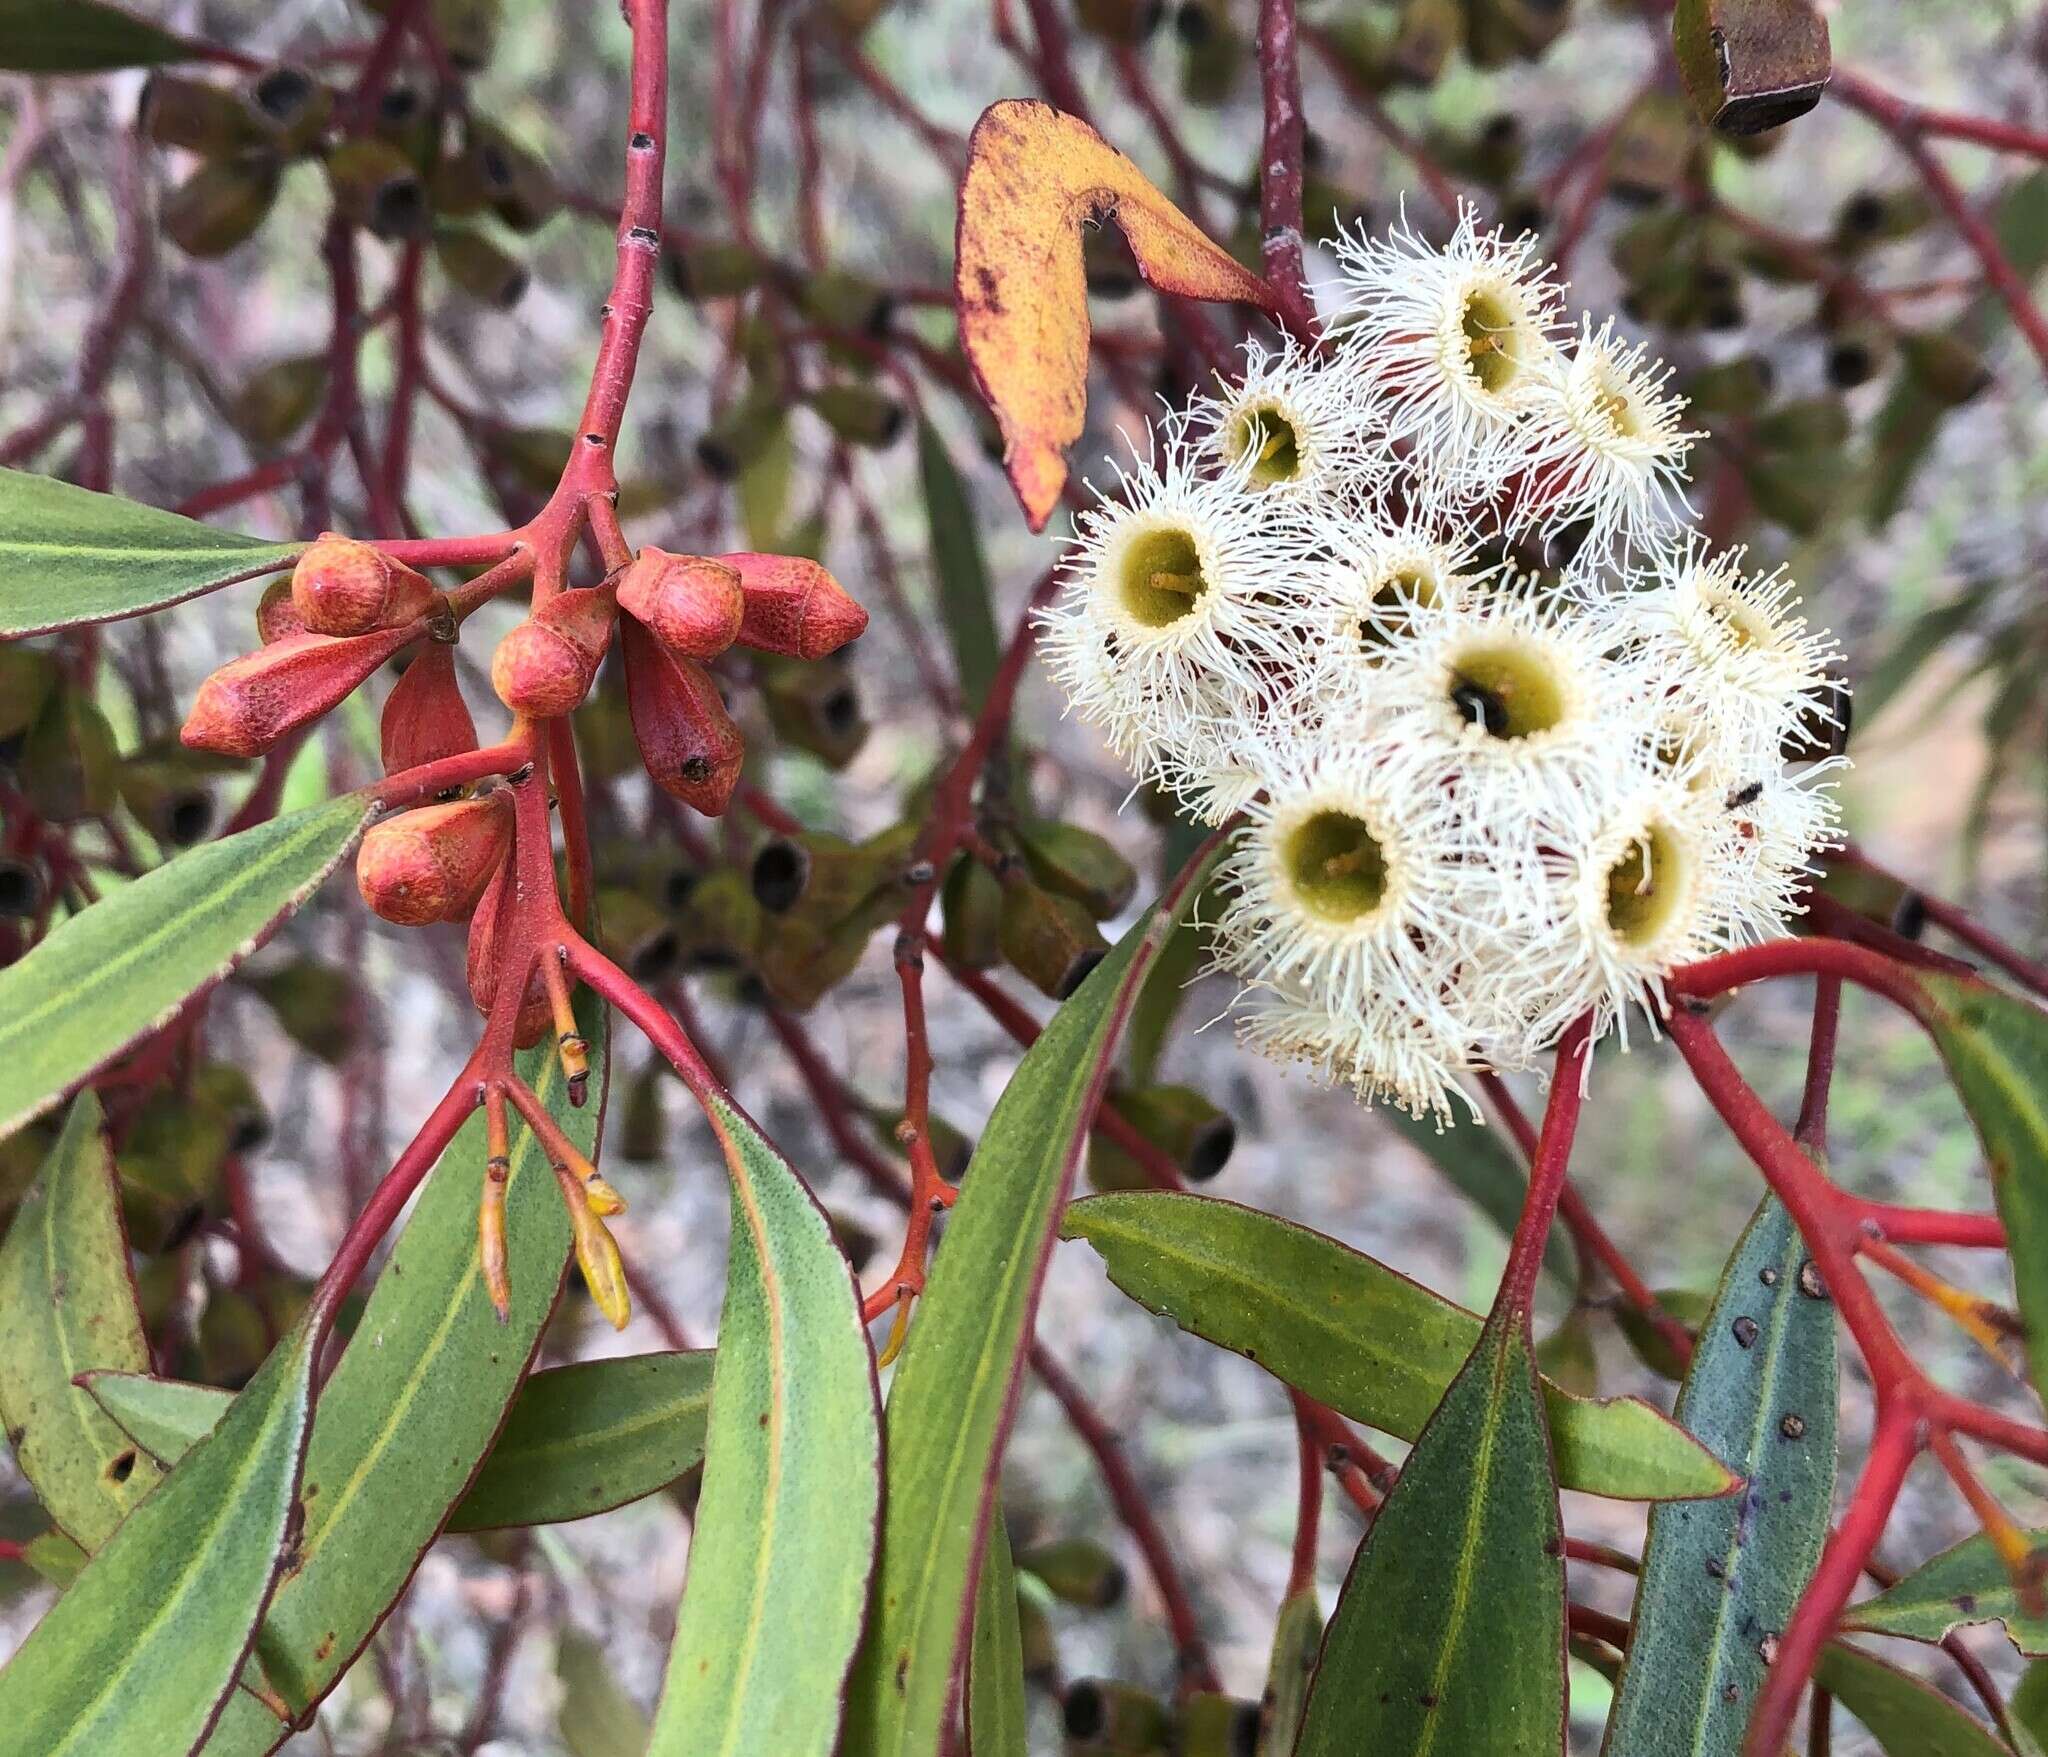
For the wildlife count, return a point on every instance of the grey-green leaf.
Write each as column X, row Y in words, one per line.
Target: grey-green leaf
column 1963, row 1585
column 786, row 1525
column 1719, row 1576
column 67, row 1306
column 1448, row 1638
column 1907, row 1717
column 143, row 1650
column 995, row 1657
column 68, row 555
column 958, row 562
column 1356, row 1335
column 118, row 969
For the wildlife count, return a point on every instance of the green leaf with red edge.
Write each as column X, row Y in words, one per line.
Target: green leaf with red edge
column 143, row 1649
column 1963, row 1585
column 69, row 556
column 995, row 1659
column 786, row 1524
column 122, row 967
column 1356, row 1335
column 955, row 1387
column 417, row 1399
column 1449, row 1634
column 1718, row 1576
column 1906, row 1715
column 67, row 1305
column 1996, row 1048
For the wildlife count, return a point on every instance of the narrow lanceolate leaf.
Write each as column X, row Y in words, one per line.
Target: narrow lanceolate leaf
column 68, row 555
column 1996, row 1047
column 142, row 1651
column 1035, row 177
column 1967, row 1584
column 1448, row 1639
column 1356, row 1335
column 1720, row 1578
column 416, row 1400
column 1907, row 1716
column 1297, row 1638
column 580, row 1439
column 125, row 965
column 82, row 36
column 597, row 1718
column 1480, row 1163
column 960, row 569
column 67, row 1305
column 786, row 1525
column 995, row 1660
column 956, row 1384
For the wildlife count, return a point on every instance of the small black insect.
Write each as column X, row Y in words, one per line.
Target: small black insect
column 1745, row 795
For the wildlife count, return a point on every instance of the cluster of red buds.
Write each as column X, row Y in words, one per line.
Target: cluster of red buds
column 349, row 607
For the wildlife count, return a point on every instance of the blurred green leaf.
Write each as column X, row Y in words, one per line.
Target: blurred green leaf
column 597, row 1718
column 960, row 569
column 118, row 969
column 1907, row 1716
column 1356, row 1335
column 1761, row 1392
column 786, row 1525
column 1964, row 1585
column 1479, row 1162
column 995, row 1659
column 67, row 1305
column 1924, row 636
column 83, row 36
column 1297, row 1639
column 1449, row 1633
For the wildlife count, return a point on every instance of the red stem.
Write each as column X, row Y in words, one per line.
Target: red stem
column 1280, row 161
column 1547, row 1168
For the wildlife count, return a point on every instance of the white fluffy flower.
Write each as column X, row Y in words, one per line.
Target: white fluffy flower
column 1289, row 429
column 1389, row 1057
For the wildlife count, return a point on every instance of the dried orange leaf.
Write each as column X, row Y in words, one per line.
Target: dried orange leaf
column 1034, row 176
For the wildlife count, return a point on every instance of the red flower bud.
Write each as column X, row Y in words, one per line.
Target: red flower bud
column 250, row 703
column 433, row 864
column 342, row 586
column 425, row 717
column 544, row 667
column 536, row 1016
column 693, row 604
column 691, row 747
column 277, row 617
column 794, row 606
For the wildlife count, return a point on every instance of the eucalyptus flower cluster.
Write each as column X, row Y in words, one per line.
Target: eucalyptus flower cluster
column 1510, row 740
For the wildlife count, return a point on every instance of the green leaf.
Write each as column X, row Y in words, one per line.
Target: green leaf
column 959, row 565
column 995, row 1660
column 81, row 36
column 1966, row 1584
column 1357, row 1336
column 68, row 555
column 1907, row 1717
column 1996, row 1048
column 1719, row 1575
column 954, row 1389
column 417, row 1398
column 144, row 1648
column 1449, row 1634
column 597, row 1718
column 579, row 1440
column 125, row 965
column 67, row 1305
column 1297, row 1639
column 786, row 1525
column 1479, row 1162
column 2028, row 1705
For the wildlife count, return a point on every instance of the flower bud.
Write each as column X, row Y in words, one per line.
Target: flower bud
column 545, row 666
column 220, row 204
column 1049, row 940
column 479, row 267
column 536, row 1015
column 432, row 864
column 794, row 607
column 691, row 747
column 250, row 703
column 693, row 605
column 425, row 717
column 1079, row 864
column 344, row 586
column 277, row 617
column 376, row 187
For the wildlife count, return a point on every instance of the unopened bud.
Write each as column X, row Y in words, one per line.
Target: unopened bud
column 1049, row 940
column 221, row 204
column 693, row 605
column 536, row 1015
column 250, row 703
column 971, row 906
column 691, row 747
column 477, row 265
column 794, row 606
column 277, row 617
column 377, row 187
column 425, row 717
column 1079, row 864
column 545, row 666
column 597, row 1255
column 432, row 864
column 342, row 585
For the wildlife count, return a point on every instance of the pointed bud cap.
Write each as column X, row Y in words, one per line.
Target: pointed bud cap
column 794, row 606
column 425, row 717
column 691, row 747
column 250, row 703
column 694, row 605
column 433, row 864
column 342, row 586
